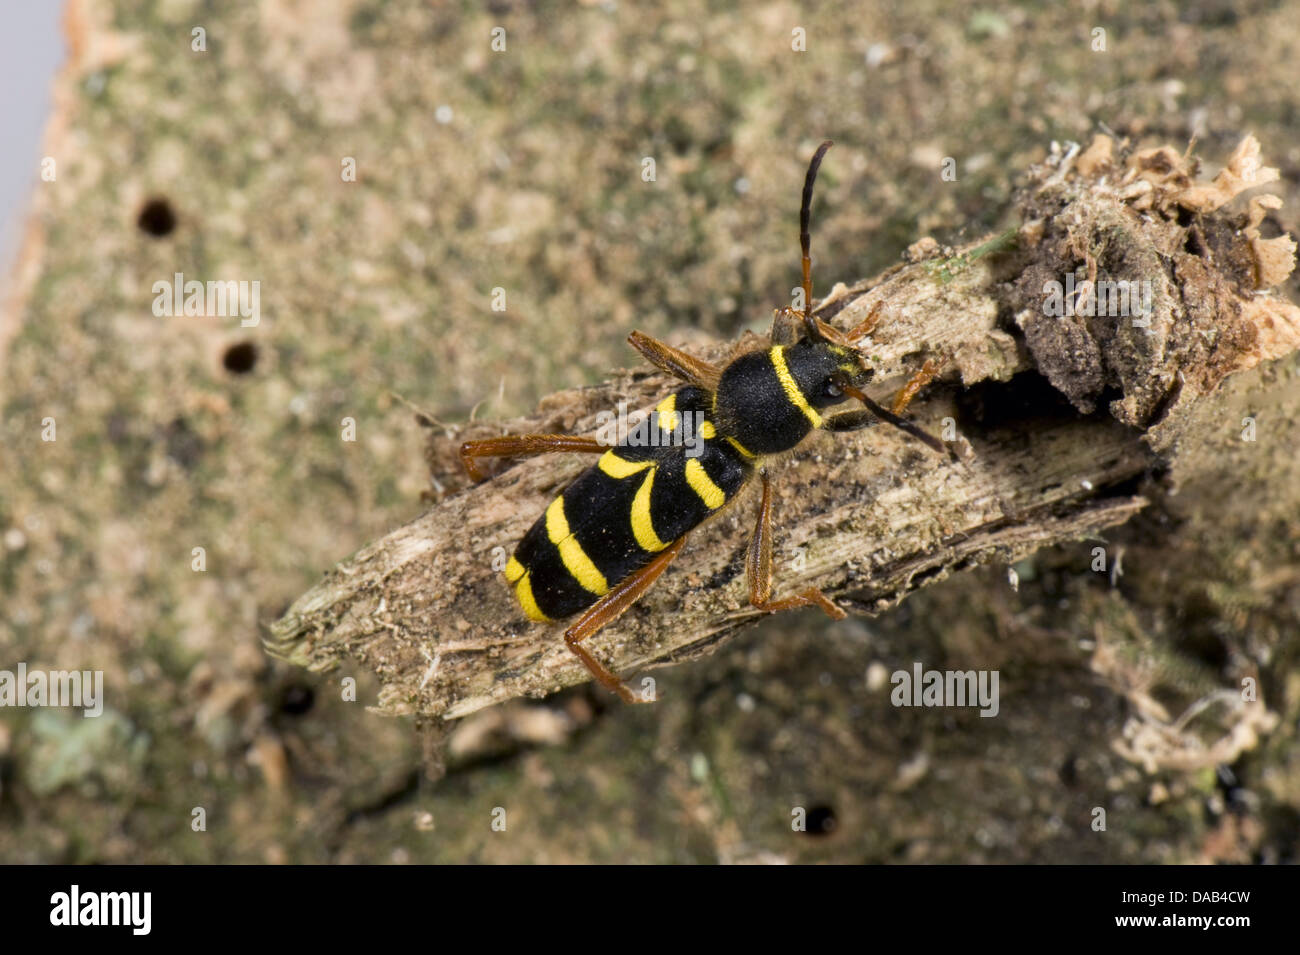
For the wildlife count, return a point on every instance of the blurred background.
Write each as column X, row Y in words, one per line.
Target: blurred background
column 379, row 168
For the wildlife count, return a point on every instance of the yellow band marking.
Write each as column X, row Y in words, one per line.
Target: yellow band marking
column 668, row 417
column 700, row 482
column 707, row 431
column 617, row 467
column 557, row 525
column 791, row 386
column 576, row 561
column 514, row 570
column 643, row 528
column 740, row 447
column 524, row 592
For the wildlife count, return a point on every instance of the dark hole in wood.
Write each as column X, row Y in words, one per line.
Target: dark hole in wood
column 157, row 217
column 821, row 821
column 297, row 699
column 240, row 359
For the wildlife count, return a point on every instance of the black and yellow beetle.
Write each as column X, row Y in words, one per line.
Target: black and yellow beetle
column 611, row 533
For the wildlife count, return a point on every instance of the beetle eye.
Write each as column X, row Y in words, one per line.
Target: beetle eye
column 832, row 390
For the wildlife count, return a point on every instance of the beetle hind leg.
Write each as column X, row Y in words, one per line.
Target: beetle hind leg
column 608, row 609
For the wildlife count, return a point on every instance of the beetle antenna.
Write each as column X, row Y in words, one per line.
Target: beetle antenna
column 805, row 239
column 902, row 424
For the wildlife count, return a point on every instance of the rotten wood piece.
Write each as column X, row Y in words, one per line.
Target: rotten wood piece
column 1062, row 415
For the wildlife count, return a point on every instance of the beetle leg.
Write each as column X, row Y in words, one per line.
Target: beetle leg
column 608, row 609
column 787, row 326
column 666, row 358
column 853, row 420
column 923, row 377
column 866, row 326
column 511, row 445
column 758, row 567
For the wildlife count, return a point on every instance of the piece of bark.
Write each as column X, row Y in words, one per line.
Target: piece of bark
column 1060, row 418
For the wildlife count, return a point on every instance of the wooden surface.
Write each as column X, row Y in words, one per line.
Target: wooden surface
column 1058, row 420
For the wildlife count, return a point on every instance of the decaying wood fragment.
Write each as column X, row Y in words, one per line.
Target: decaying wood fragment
column 1061, row 414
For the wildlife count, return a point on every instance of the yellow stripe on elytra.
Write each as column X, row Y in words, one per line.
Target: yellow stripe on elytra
column 576, row 561
column 740, row 447
column 514, row 570
column 668, row 417
column 524, row 592
column 643, row 528
column 700, row 482
column 707, row 431
column 791, row 386
column 616, row 467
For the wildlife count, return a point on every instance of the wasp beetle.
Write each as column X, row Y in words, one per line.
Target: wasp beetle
column 610, row 534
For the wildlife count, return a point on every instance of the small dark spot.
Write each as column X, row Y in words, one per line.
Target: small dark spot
column 6, row 775
column 1210, row 13
column 821, row 821
column 118, row 427
column 1207, row 647
column 1270, row 228
column 679, row 135
column 1158, row 162
column 1282, row 823
column 729, row 571
column 157, row 218
column 1166, row 401
column 297, row 699
column 921, row 576
column 240, row 358
column 183, row 445
column 1069, row 771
